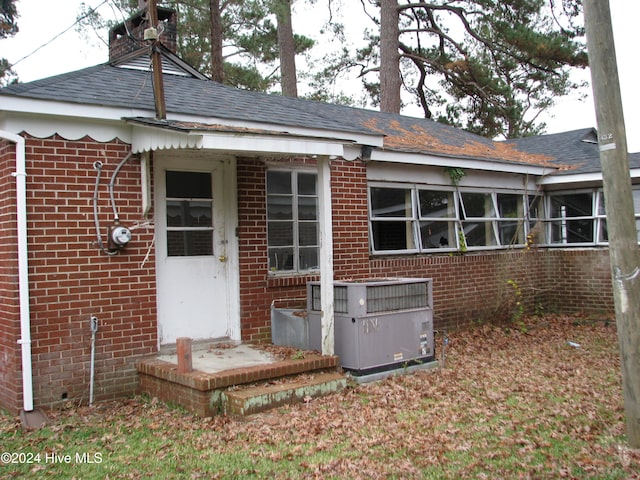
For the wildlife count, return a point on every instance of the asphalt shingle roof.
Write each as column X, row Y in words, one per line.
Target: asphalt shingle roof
column 112, row 86
column 576, row 148
column 106, row 85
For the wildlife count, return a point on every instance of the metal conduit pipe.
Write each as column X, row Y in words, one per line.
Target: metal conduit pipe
column 23, row 268
column 116, row 217
column 94, row 328
column 98, row 167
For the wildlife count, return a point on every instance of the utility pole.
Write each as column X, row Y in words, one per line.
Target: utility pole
column 153, row 36
column 624, row 252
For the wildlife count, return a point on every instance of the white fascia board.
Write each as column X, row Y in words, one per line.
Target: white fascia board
column 271, row 145
column 595, row 177
column 472, row 164
column 373, row 140
column 42, row 119
column 72, row 110
column 151, row 138
column 570, row 179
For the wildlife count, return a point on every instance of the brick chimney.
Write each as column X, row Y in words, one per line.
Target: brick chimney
column 128, row 37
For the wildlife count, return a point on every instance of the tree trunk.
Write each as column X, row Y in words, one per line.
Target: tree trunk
column 287, row 47
column 389, row 56
column 217, row 64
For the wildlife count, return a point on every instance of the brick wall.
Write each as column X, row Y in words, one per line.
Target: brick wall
column 252, row 234
column 350, row 220
column 10, row 378
column 71, row 280
column 577, row 280
column 483, row 287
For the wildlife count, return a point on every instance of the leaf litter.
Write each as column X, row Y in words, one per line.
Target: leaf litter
column 512, row 402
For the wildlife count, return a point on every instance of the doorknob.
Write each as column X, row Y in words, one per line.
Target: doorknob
column 222, row 258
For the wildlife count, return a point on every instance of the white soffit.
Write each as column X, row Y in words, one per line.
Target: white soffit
column 472, row 164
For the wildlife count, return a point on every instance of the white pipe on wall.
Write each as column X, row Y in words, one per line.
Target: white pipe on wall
column 23, row 268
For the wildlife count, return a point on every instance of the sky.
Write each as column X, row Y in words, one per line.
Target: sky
column 42, row 22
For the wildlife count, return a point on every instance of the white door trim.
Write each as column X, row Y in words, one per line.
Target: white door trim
column 187, row 160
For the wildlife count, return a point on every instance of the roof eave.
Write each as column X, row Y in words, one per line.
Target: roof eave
column 32, row 115
column 569, row 179
column 470, row 163
column 146, row 138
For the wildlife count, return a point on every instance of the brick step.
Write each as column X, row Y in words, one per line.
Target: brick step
column 258, row 398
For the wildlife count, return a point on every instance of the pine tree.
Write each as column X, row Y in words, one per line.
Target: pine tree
column 235, row 42
column 485, row 65
column 8, row 28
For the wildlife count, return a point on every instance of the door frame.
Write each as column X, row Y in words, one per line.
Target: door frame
column 189, row 159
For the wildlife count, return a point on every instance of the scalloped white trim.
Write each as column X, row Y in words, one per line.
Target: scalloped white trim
column 67, row 128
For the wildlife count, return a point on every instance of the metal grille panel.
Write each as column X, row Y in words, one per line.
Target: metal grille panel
column 400, row 296
column 340, row 299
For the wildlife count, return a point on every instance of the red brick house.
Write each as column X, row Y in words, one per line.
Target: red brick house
column 195, row 225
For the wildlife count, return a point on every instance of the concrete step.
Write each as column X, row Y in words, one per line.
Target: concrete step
column 258, row 398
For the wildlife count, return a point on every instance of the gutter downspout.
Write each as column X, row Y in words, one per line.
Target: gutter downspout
column 23, row 268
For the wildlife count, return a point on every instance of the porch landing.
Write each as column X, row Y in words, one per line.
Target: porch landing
column 239, row 379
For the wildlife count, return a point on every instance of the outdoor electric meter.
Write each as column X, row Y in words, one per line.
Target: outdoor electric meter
column 119, row 236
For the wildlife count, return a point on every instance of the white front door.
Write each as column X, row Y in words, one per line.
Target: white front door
column 192, row 248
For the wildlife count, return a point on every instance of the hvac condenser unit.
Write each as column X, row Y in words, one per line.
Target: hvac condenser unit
column 378, row 324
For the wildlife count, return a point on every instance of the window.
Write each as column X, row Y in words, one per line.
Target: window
column 292, row 221
column 534, row 218
column 511, row 215
column 477, row 210
column 437, row 219
column 580, row 217
column 414, row 218
column 408, row 219
column 393, row 219
column 571, row 218
column 189, row 214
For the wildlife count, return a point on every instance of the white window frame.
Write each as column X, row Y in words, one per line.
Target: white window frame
column 453, row 222
column 563, row 220
column 295, row 221
column 525, row 219
column 598, row 216
column 636, row 204
column 416, row 220
column 411, row 218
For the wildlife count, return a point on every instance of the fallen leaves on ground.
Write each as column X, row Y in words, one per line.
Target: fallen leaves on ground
column 509, row 403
